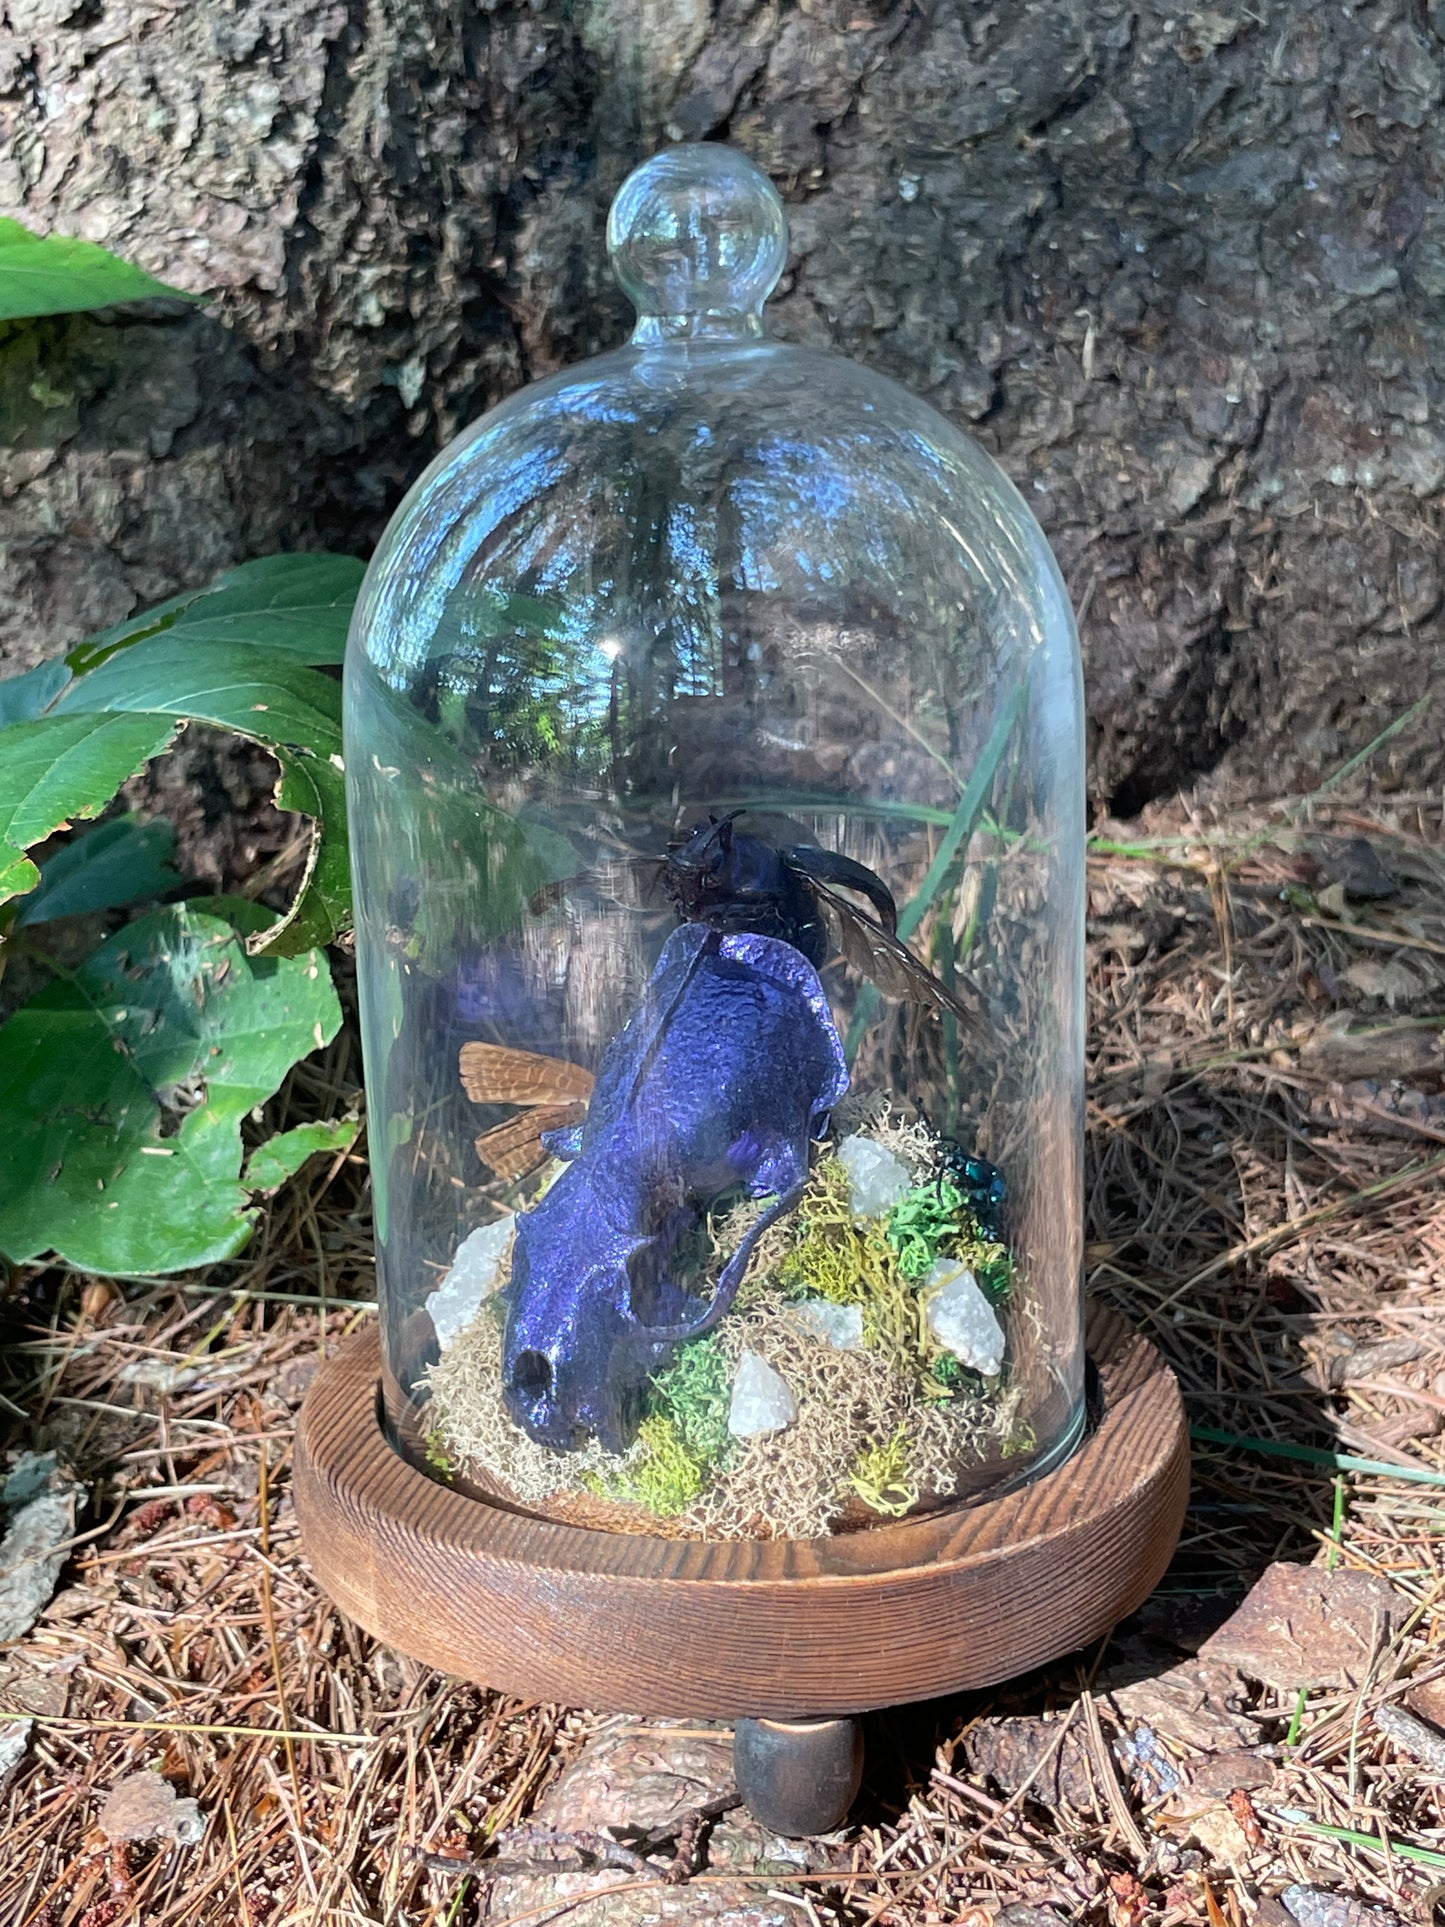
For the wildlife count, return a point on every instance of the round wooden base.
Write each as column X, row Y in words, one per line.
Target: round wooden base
column 777, row 1629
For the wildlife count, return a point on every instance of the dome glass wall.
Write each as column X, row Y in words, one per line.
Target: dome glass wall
column 714, row 752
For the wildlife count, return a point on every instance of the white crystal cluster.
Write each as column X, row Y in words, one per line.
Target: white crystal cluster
column 961, row 1318
column 840, row 1326
column 877, row 1180
column 475, row 1274
column 762, row 1400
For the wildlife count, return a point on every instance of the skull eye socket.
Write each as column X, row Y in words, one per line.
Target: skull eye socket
column 532, row 1375
column 645, row 1278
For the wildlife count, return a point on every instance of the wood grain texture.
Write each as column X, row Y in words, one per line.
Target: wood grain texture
column 781, row 1628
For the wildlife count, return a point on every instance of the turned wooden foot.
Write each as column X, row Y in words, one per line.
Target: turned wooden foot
column 798, row 1777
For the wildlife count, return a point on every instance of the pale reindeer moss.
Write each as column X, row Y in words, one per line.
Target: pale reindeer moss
column 883, row 1427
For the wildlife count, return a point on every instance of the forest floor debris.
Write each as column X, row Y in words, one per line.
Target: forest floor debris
column 1265, row 1199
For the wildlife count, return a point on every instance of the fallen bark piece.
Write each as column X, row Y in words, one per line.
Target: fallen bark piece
column 1427, row 1699
column 1304, row 1627
column 1336, row 1359
column 1323, row 1907
column 1404, row 1428
column 1220, row 1774
column 145, row 1807
column 1219, row 1830
column 1273, row 1913
column 1336, row 1050
column 1356, row 865
column 26, row 1690
column 1009, row 1751
column 1190, row 1704
column 37, row 1503
column 640, row 1786
column 1413, row 1736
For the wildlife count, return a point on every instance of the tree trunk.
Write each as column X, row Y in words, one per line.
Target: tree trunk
column 1181, row 271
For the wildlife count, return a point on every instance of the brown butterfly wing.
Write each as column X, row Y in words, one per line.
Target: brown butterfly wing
column 513, row 1149
column 888, row 962
column 495, row 1074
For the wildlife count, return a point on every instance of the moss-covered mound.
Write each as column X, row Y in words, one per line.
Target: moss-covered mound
column 879, row 1421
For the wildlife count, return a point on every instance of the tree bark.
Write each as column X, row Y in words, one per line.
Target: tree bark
column 1180, row 270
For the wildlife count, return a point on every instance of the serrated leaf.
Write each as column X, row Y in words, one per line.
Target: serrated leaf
column 278, row 702
column 321, row 909
column 17, row 873
column 23, row 697
column 63, row 767
column 89, row 654
column 124, row 1087
column 56, row 274
column 299, row 605
column 260, row 693
column 125, row 860
column 282, row 1156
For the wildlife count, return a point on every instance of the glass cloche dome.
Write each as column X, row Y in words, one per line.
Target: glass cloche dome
column 715, row 762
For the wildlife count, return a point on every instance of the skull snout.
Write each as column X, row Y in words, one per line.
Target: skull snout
column 563, row 1378
column 579, row 1349
column 530, row 1389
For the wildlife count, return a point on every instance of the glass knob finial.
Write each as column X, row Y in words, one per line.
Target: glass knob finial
column 698, row 238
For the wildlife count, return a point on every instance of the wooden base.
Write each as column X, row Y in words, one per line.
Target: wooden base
column 783, row 1629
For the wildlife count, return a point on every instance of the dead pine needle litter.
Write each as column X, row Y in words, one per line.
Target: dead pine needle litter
column 1260, row 1199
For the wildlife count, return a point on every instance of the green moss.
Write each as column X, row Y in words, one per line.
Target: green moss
column 880, row 1477
column 825, row 1264
column 922, row 1225
column 684, row 1437
column 936, row 1221
column 436, row 1453
column 991, row 1263
column 665, row 1480
column 948, row 1372
column 695, row 1394
column 852, row 1264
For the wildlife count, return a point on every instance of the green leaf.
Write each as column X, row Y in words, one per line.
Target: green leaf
column 23, row 698
column 56, row 274
column 124, row 1087
column 260, row 693
column 17, row 873
column 64, row 767
column 299, row 605
column 126, row 860
column 94, row 650
column 321, row 908
column 276, row 701
column 282, row 1156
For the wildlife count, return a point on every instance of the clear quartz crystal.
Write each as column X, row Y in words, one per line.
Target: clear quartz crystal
column 961, row 1318
column 762, row 1401
column 840, row 1326
column 876, row 1178
column 475, row 1273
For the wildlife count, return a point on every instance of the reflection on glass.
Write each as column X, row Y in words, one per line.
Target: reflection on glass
column 715, row 760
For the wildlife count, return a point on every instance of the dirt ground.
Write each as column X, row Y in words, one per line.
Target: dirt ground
column 1267, row 1140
